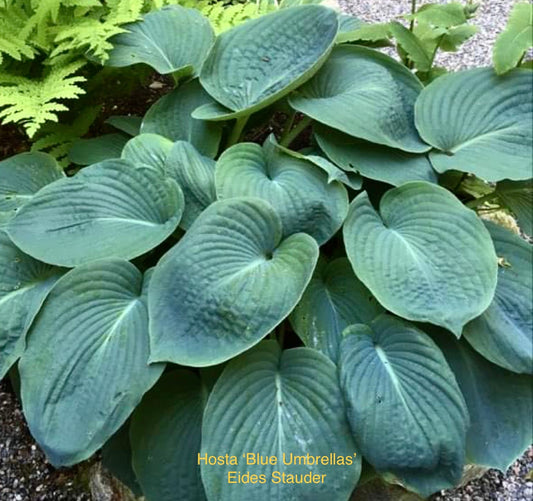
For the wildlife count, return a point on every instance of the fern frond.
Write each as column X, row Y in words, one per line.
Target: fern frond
column 33, row 102
column 56, row 138
column 92, row 34
column 12, row 22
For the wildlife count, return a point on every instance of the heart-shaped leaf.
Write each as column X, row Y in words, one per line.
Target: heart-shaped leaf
column 170, row 116
column 196, row 176
column 480, row 122
column 504, row 332
column 154, row 41
column 165, row 438
column 499, row 402
column 97, row 149
column 22, row 176
column 260, row 61
column 365, row 94
column 398, row 385
column 373, row 161
column 333, row 300
column 125, row 210
column 227, row 283
column 24, row 284
column 424, row 255
column 297, row 189
column 86, row 365
column 286, row 405
column 148, row 149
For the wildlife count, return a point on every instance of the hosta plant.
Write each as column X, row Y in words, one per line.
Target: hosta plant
column 280, row 272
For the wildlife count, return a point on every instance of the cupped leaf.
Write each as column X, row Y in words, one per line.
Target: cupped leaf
column 129, row 124
column 377, row 32
column 480, row 122
column 97, row 149
column 154, row 41
column 148, row 149
column 333, row 300
column 365, row 94
column 424, row 255
column 24, row 284
column 170, row 116
column 373, row 161
column 499, row 402
column 110, row 209
column 227, row 283
column 196, row 176
column 297, row 189
column 515, row 40
column 22, row 176
column 518, row 197
column 504, row 332
column 398, row 385
column 165, row 438
column 86, row 365
column 286, row 405
column 260, row 61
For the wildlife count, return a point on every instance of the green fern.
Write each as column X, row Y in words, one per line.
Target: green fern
column 32, row 102
column 56, row 138
column 12, row 22
column 92, row 34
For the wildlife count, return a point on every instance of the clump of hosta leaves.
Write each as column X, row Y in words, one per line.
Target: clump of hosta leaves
column 329, row 291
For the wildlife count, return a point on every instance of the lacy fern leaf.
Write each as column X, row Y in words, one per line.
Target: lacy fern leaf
column 33, row 102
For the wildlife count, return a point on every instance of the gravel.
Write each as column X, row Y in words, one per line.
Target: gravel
column 491, row 18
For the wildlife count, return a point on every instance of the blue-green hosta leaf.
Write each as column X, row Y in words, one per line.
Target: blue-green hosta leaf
column 173, row 39
column 260, row 61
column 129, row 124
column 350, row 179
column 97, row 149
column 515, row 40
column 423, row 255
column 278, row 403
column 499, row 402
column 349, row 23
column 165, row 438
column 297, row 189
column 24, row 284
column 148, row 149
column 373, row 161
column 110, row 209
column 333, row 300
column 170, row 116
column 227, row 283
column 504, row 332
column 365, row 94
column 86, row 365
column 406, row 411
column 22, row 176
column 518, row 197
column 480, row 122
column 196, row 176
column 116, row 458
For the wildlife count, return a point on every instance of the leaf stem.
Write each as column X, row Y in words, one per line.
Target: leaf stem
column 289, row 123
column 236, row 132
column 413, row 10
column 296, row 131
column 481, row 200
